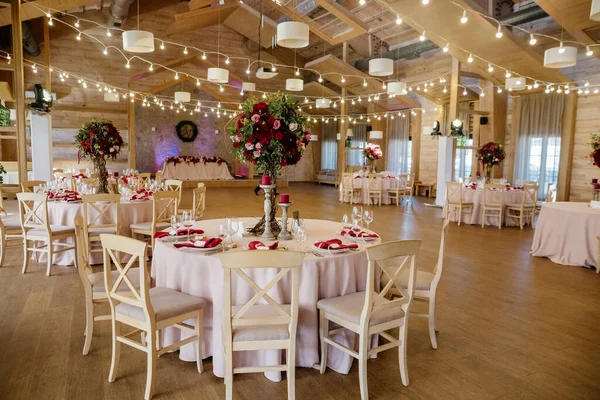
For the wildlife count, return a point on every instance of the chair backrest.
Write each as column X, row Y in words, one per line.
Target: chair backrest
column 493, row 193
column 201, row 184
column 144, row 176
column 158, row 176
column 529, row 195
column 66, row 177
column 236, row 262
column 375, row 183
column 199, row 202
column 376, row 302
column 375, row 175
column 347, row 181
column 174, row 185
column 454, row 192
column 437, row 271
column 57, row 170
column 117, row 293
column 88, row 181
column 83, row 263
column 551, row 195
column 164, row 204
column 33, row 211
column 101, row 211
column 404, row 180
column 28, row 186
column 530, row 183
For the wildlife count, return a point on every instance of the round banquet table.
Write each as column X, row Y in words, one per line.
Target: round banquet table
column 475, row 196
column 191, row 272
column 196, row 172
column 363, row 183
column 63, row 213
column 567, row 234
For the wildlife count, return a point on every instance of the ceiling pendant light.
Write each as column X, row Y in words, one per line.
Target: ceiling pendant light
column 294, row 85
column 396, row 88
column 595, row 10
column 138, row 41
column 381, row 67
column 292, row 34
column 248, row 86
column 516, row 83
column 323, row 103
column 218, row 75
column 560, row 57
column 182, row 97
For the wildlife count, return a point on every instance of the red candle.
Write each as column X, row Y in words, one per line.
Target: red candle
column 595, row 180
column 266, row 180
column 284, row 198
column 116, row 174
column 596, row 186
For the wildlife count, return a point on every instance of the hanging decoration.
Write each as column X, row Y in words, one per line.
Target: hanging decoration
column 187, row 131
column 138, row 41
column 293, row 35
column 560, row 57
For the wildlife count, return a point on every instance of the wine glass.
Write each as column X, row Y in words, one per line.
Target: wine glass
column 368, row 217
column 222, row 231
column 300, row 236
column 356, row 228
column 232, row 228
column 346, row 223
column 188, row 222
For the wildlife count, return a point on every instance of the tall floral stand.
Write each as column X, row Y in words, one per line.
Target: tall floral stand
column 488, row 173
column 284, row 234
column 100, row 172
column 267, row 233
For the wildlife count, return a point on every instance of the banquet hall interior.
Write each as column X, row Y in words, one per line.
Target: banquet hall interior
column 326, row 199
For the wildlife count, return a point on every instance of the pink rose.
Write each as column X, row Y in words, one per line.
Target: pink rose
column 256, row 154
column 258, row 145
column 249, row 146
column 276, row 124
column 255, row 118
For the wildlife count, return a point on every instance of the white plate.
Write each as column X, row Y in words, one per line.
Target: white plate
column 330, row 251
column 361, row 239
column 217, row 247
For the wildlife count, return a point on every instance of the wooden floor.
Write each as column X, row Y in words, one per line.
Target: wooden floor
column 510, row 326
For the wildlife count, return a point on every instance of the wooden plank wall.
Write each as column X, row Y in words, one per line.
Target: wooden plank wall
column 588, row 122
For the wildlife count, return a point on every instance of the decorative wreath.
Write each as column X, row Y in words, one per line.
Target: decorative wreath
column 186, row 131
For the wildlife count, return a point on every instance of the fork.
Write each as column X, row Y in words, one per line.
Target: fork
column 314, row 253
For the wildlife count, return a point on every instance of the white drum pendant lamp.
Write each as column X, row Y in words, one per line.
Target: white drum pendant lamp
column 381, row 67
column 396, row 88
column 516, row 83
column 218, row 75
column 323, row 103
column 376, row 135
column 349, row 132
column 248, row 86
column 560, row 57
column 138, row 41
column 111, row 97
column 294, row 85
column 595, row 11
column 182, row 97
column 293, row 35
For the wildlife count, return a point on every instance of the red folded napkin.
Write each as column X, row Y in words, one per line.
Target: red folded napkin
column 335, row 244
column 184, row 232
column 209, row 243
column 360, row 234
column 254, row 245
column 159, row 235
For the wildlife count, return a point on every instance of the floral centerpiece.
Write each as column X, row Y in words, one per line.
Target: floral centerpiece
column 99, row 140
column 490, row 154
column 195, row 160
column 595, row 145
column 372, row 153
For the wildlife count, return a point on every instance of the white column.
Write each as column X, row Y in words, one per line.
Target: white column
column 444, row 171
column 41, row 147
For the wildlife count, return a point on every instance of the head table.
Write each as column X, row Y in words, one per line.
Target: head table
column 191, row 272
column 196, row 172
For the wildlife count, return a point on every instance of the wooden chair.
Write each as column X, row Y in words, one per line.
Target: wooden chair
column 67, row 178
column 454, row 201
column 100, row 215
column 158, row 176
column 369, row 312
column 348, row 187
column 146, row 310
column 33, row 214
column 375, row 189
column 143, row 178
column 493, row 202
column 425, row 286
column 251, row 326
column 164, row 204
column 397, row 194
column 11, row 234
column 175, row 185
column 29, row 186
column 57, row 170
column 550, row 198
column 201, row 184
column 526, row 209
column 199, row 202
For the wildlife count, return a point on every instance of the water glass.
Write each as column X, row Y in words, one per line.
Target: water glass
column 346, row 223
column 368, row 217
column 300, row 236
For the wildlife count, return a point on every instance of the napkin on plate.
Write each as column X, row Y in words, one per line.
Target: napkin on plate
column 200, row 244
column 159, row 235
column 184, row 232
column 334, row 244
column 256, row 245
column 360, row 234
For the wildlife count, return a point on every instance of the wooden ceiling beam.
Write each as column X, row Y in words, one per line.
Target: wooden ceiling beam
column 344, row 15
column 30, row 11
column 201, row 18
column 143, row 74
column 300, row 18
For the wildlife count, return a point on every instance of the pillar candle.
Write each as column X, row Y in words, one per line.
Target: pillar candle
column 284, row 198
column 266, row 180
column 595, row 180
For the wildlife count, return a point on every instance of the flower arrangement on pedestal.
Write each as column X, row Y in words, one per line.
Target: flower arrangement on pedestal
column 195, row 160
column 99, row 140
column 490, row 154
column 372, row 153
column 595, row 145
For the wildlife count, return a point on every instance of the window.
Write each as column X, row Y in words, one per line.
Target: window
column 409, row 155
column 356, row 157
column 543, row 155
column 399, row 146
column 463, row 160
column 329, row 146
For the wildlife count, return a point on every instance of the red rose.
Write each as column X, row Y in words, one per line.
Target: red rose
column 260, row 108
column 271, row 120
column 279, row 136
column 249, row 140
column 236, row 145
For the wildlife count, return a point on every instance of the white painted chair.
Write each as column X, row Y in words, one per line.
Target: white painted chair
column 33, row 214
column 251, row 326
column 425, row 287
column 158, row 176
column 349, row 187
column 454, row 201
column 100, row 215
column 146, row 310
column 164, row 204
column 524, row 211
column 550, row 198
column 493, row 203
column 11, row 234
column 66, row 177
column 201, row 184
column 199, row 202
column 375, row 190
column 398, row 193
column 174, row 185
column 370, row 312
column 29, row 186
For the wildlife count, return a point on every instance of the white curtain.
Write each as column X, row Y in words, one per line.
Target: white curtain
column 329, row 145
column 538, row 146
column 359, row 140
column 398, row 145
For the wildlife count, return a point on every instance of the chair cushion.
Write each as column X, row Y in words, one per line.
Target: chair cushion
column 147, row 226
column 493, row 205
column 518, row 205
column 167, row 303
column 464, row 204
column 56, row 229
column 98, row 231
column 97, row 280
column 350, row 306
column 263, row 332
column 424, row 280
column 11, row 221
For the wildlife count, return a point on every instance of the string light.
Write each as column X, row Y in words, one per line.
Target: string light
column 77, row 23
column 470, row 59
column 425, row 2
column 490, row 68
column 499, row 32
column 532, row 40
column 422, row 37
column 227, row 60
column 588, row 51
column 185, row 50
column 151, row 68
column 343, row 79
column 398, row 20
column 78, row 37
column 446, row 47
column 108, row 32
column 508, row 74
column 162, row 45
column 105, row 51
column 464, row 19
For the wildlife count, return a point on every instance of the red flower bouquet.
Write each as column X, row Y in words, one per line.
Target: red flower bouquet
column 490, row 154
column 595, row 145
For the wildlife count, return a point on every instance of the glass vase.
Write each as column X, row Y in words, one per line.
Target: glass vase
column 488, row 173
column 100, row 172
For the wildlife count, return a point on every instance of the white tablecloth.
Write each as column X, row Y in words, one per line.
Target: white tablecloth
column 567, row 234
column 475, row 196
column 189, row 271
column 196, row 172
column 363, row 183
column 60, row 213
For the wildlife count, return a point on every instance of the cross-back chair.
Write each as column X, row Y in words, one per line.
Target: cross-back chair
column 375, row 190
column 493, row 203
column 398, row 193
column 164, row 205
column 199, row 202
column 201, row 184
column 143, row 178
column 524, row 211
column 66, row 177
column 369, row 312
column 29, row 186
column 11, row 233
column 35, row 226
column 101, row 214
column 174, row 185
column 159, row 176
column 349, row 187
column 454, row 201
column 147, row 310
column 252, row 326
column 550, row 197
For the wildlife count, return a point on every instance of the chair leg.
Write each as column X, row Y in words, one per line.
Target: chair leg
column 199, row 331
column 2, row 246
column 151, row 371
column 402, row 354
column 291, row 371
column 431, row 319
column 521, row 216
column 228, row 372
column 459, row 215
column 25, row 255
column 50, row 254
column 363, row 356
column 89, row 324
column 323, row 331
column 482, row 217
column 116, row 350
